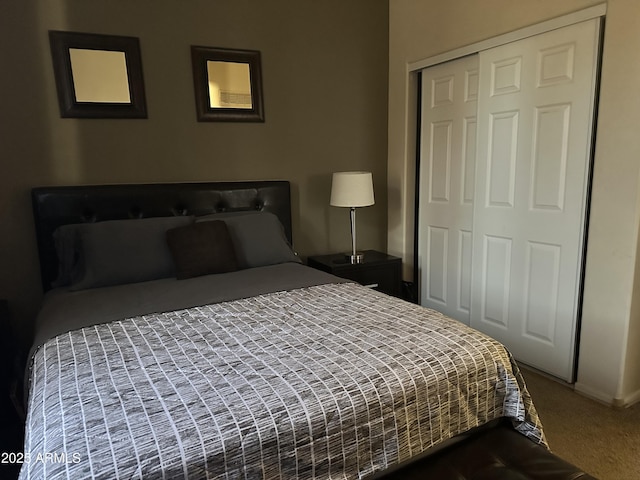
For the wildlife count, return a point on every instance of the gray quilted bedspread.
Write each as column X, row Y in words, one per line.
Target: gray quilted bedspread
column 331, row 381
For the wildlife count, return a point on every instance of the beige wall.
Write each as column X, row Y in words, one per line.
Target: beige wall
column 609, row 362
column 325, row 70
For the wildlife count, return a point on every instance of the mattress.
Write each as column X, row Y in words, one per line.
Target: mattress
column 320, row 379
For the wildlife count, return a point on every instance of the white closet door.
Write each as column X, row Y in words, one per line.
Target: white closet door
column 535, row 107
column 447, row 173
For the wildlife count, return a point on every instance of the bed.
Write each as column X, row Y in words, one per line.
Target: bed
column 156, row 356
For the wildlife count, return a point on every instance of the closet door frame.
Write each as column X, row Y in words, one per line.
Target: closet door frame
column 590, row 13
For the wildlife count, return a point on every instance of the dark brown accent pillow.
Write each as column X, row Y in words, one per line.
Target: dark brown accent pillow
column 201, row 249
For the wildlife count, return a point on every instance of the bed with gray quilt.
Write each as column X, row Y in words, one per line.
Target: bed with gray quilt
column 258, row 368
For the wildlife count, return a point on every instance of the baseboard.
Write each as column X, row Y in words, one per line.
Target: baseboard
column 594, row 394
column 601, row 397
column 590, row 392
column 632, row 398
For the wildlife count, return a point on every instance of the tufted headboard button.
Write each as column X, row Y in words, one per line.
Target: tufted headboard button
column 179, row 210
column 88, row 216
column 135, row 212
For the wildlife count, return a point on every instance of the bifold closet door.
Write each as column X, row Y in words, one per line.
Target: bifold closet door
column 446, row 184
column 535, row 105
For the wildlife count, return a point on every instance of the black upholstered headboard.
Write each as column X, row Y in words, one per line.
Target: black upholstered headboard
column 56, row 206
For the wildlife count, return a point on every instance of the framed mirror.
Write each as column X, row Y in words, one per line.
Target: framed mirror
column 98, row 76
column 228, row 84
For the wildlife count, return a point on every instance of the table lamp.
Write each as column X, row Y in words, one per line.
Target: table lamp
column 352, row 190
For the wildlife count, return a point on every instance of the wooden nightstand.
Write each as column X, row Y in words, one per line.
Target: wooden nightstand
column 378, row 270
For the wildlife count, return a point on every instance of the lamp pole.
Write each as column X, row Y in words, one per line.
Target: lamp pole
column 355, row 257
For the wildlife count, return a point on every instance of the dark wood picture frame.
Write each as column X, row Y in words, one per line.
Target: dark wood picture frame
column 205, row 113
column 61, row 43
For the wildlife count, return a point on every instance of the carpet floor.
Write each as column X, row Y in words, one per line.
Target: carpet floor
column 603, row 441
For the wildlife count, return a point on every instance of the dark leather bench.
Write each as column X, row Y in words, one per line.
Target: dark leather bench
column 498, row 453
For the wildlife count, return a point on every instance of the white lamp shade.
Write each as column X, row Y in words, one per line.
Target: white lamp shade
column 352, row 189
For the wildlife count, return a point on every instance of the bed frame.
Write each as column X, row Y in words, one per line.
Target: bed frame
column 56, row 206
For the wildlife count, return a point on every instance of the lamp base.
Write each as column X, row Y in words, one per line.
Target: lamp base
column 358, row 257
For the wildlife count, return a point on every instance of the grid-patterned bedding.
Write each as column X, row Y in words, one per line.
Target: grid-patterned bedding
column 329, row 381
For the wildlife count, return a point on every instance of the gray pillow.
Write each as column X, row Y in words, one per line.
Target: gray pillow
column 258, row 238
column 66, row 239
column 124, row 251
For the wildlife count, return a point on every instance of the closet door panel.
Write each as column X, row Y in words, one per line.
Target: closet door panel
column 535, row 112
column 447, row 185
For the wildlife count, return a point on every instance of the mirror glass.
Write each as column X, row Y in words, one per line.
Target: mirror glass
column 99, row 76
column 229, row 85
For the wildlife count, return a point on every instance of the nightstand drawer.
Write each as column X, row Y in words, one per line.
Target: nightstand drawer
column 384, row 278
column 378, row 270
